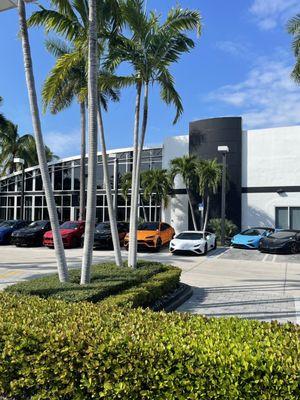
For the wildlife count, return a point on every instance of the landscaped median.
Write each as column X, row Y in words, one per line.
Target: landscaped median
column 109, row 285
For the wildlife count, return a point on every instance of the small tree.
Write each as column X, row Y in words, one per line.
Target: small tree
column 210, row 174
column 186, row 167
column 157, row 183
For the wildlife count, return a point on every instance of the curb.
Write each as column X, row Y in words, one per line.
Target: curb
column 174, row 300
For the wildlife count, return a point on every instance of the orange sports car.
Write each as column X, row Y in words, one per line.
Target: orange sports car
column 152, row 235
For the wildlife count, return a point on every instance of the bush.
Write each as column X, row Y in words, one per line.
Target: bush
column 54, row 350
column 214, row 225
column 106, row 280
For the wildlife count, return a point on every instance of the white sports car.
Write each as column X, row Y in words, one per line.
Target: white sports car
column 196, row 242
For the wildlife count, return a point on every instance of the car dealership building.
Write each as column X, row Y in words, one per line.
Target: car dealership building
column 263, row 178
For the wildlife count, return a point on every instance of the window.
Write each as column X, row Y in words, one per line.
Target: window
column 287, row 217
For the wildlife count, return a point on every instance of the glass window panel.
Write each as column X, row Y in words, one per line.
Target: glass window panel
column 58, row 178
column 19, row 201
column 38, row 201
column 66, row 214
column 38, row 182
column 66, row 201
column 11, row 201
column 11, row 185
column 58, row 200
column 28, row 183
column 75, row 200
column 3, row 201
column 67, row 179
column 28, row 201
column 2, row 213
column 38, row 213
column 295, row 218
column 28, row 214
column 282, row 218
column 99, row 214
column 120, row 214
column 76, row 178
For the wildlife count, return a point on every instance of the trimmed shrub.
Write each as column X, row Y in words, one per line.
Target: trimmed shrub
column 54, row 350
column 106, row 280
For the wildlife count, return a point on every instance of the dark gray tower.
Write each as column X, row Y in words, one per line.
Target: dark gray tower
column 205, row 137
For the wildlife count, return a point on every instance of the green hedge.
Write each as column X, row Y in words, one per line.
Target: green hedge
column 54, row 350
column 106, row 280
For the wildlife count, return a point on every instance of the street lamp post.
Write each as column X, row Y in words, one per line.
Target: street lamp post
column 224, row 150
column 22, row 162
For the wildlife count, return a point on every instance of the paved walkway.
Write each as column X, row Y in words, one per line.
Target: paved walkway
column 227, row 282
column 226, row 286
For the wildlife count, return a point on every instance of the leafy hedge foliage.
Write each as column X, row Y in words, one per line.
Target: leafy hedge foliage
column 107, row 280
column 50, row 349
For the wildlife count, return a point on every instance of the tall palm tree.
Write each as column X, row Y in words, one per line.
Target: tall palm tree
column 71, row 20
column 186, row 167
column 157, row 183
column 63, row 84
column 13, row 145
column 58, row 244
column 151, row 49
column 293, row 28
column 210, row 176
column 92, row 163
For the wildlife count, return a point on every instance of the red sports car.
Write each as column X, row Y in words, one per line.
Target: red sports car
column 71, row 232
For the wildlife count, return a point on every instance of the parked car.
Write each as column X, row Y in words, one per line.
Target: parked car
column 152, row 235
column 283, row 241
column 8, row 227
column 71, row 232
column 197, row 242
column 103, row 237
column 31, row 235
column 250, row 238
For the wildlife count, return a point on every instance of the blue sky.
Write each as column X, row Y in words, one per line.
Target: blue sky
column 240, row 66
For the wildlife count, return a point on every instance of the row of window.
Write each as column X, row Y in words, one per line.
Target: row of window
column 66, row 175
column 287, row 218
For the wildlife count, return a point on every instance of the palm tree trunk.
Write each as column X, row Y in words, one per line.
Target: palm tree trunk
column 144, row 209
column 111, row 212
column 133, row 215
column 192, row 210
column 40, row 148
column 206, row 214
column 155, row 210
column 92, row 163
column 133, row 239
column 82, row 162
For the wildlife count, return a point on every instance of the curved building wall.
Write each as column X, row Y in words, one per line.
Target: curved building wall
column 205, row 137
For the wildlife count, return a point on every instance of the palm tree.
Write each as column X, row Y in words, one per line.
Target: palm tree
column 3, row 120
column 210, row 175
column 72, row 22
column 293, row 28
column 58, row 244
column 151, row 50
column 92, row 163
column 157, row 183
column 65, row 82
column 13, row 145
column 186, row 167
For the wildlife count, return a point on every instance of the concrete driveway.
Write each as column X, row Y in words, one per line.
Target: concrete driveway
column 226, row 282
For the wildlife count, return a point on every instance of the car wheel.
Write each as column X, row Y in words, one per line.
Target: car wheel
column 215, row 245
column 294, row 248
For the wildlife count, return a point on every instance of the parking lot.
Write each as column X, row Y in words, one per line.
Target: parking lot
column 226, row 282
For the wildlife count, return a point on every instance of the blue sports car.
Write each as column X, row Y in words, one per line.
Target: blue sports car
column 250, row 238
column 8, row 227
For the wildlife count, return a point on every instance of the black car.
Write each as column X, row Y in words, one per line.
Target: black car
column 284, row 241
column 31, row 235
column 103, row 237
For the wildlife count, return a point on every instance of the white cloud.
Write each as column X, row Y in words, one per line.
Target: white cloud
column 232, row 48
column 270, row 13
column 267, row 97
column 63, row 144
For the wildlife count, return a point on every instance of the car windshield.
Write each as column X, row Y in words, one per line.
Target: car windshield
column 69, row 225
column 149, row 226
column 38, row 224
column 103, row 227
column 190, row 236
column 253, row 232
column 8, row 224
column 283, row 235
